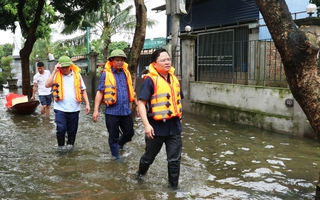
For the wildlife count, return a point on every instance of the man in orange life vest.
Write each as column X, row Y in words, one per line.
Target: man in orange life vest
column 115, row 90
column 161, row 111
column 68, row 92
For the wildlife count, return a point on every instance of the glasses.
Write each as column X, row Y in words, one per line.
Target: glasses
column 164, row 60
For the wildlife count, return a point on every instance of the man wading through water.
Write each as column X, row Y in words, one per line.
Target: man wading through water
column 161, row 111
column 115, row 90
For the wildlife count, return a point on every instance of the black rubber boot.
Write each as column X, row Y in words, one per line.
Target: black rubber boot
column 114, row 150
column 61, row 140
column 71, row 140
column 173, row 175
column 142, row 169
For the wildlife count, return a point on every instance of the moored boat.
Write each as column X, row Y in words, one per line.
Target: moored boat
column 19, row 104
column 24, row 108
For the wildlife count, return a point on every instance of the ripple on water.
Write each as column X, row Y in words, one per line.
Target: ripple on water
column 219, row 161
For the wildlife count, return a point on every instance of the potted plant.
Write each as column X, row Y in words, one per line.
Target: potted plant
column 2, row 79
column 6, row 72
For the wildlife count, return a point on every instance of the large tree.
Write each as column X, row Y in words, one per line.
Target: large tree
column 31, row 14
column 139, row 37
column 298, row 50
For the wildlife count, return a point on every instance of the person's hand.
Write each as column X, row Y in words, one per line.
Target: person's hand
column 57, row 66
column 149, row 131
column 95, row 116
column 137, row 112
column 32, row 98
column 87, row 109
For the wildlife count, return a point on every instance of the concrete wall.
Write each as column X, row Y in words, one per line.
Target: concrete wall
column 251, row 105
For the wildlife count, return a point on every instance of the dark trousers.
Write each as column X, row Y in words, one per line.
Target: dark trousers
column 114, row 124
column 67, row 122
column 173, row 148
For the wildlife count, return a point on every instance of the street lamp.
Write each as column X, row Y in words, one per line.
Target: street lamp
column 187, row 29
column 311, row 8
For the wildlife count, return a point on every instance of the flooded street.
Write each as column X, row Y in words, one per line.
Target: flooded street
column 220, row 161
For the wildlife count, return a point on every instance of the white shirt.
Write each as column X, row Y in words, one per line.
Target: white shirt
column 41, row 79
column 69, row 103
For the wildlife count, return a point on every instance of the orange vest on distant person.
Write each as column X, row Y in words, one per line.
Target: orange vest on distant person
column 58, row 86
column 110, row 89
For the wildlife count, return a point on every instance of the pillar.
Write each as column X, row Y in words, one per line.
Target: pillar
column 187, row 62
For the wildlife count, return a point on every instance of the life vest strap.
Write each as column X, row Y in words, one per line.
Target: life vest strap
column 110, row 86
column 167, row 104
column 161, row 95
column 108, row 99
column 110, row 92
column 168, row 112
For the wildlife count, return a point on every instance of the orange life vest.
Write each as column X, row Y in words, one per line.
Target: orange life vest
column 110, row 90
column 58, row 86
column 166, row 100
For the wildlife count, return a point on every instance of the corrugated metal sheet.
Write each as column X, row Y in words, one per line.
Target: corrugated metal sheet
column 216, row 13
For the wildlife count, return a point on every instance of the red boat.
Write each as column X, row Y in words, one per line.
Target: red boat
column 25, row 108
column 19, row 104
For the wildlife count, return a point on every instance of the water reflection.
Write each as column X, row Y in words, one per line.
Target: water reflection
column 220, row 161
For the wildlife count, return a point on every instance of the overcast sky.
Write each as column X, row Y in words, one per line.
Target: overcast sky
column 159, row 30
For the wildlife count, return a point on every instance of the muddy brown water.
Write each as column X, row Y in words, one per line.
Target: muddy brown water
column 220, row 160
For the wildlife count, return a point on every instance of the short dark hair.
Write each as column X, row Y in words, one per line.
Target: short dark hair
column 40, row 64
column 156, row 54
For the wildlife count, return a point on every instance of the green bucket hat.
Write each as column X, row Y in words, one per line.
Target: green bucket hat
column 65, row 61
column 117, row 53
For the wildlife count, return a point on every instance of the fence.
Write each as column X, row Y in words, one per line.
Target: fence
column 245, row 62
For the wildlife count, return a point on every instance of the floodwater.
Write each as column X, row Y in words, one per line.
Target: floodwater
column 220, row 161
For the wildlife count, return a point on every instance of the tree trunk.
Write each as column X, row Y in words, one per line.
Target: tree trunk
column 298, row 52
column 138, row 39
column 28, row 45
column 106, row 49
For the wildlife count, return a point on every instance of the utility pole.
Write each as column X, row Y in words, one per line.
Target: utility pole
column 171, row 9
column 175, row 8
column 175, row 32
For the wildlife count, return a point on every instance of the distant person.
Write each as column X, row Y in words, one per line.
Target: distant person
column 144, row 71
column 116, row 91
column 68, row 92
column 161, row 111
column 44, row 93
column 17, row 39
